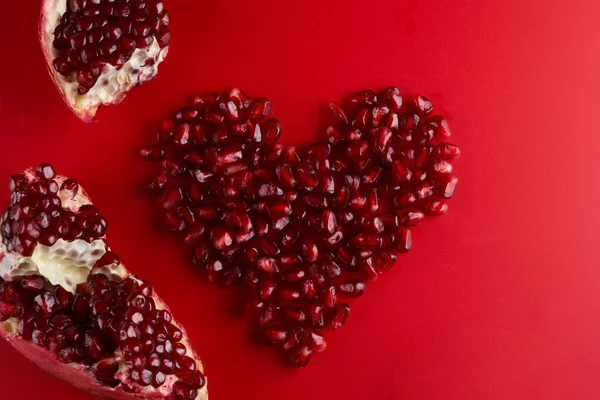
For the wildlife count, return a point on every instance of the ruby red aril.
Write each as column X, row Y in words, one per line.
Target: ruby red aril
column 301, row 231
column 68, row 304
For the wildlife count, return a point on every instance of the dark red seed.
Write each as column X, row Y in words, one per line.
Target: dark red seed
column 317, row 316
column 341, row 313
column 184, row 392
column 45, row 171
column 403, row 240
column 106, row 367
column 301, row 357
column 10, row 310
column 314, row 338
column 352, row 288
column 274, row 334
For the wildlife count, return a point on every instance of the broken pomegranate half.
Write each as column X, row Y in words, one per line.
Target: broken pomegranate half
column 68, row 304
column 302, row 231
column 98, row 50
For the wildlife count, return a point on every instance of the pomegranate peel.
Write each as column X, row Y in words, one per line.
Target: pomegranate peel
column 97, row 51
column 301, row 230
column 69, row 305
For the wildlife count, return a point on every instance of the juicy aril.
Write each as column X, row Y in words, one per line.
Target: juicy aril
column 69, row 305
column 301, row 231
column 98, row 50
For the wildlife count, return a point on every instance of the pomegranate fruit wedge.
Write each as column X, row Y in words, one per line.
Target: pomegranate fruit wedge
column 301, row 231
column 68, row 304
column 98, row 50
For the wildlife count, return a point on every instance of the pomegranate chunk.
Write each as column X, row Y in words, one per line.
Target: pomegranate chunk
column 302, row 231
column 91, row 322
column 97, row 50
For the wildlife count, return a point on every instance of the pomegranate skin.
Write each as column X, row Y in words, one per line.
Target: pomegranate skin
column 66, row 271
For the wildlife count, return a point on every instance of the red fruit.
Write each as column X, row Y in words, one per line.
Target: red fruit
column 301, row 228
column 83, row 310
column 96, row 51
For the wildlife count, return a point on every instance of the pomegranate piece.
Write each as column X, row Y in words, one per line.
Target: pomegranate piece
column 69, row 305
column 98, row 50
column 301, row 230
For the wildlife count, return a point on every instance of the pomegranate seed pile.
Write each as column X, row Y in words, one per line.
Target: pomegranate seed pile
column 301, row 231
column 36, row 215
column 96, row 33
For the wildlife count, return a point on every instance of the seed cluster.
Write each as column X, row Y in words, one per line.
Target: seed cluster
column 103, row 316
column 96, row 33
column 36, row 214
column 299, row 230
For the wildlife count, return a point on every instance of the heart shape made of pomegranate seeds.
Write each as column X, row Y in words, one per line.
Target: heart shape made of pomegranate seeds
column 301, row 230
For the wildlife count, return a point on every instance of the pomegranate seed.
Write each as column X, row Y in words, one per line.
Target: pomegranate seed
column 222, row 238
column 367, row 97
column 45, row 303
column 293, row 314
column 353, row 289
column 310, row 251
column 106, row 367
column 342, row 311
column 403, row 240
column 184, row 392
column 368, row 269
column 267, row 265
column 317, row 316
column 294, row 338
column 448, row 151
column 339, row 113
column 435, row 207
column 266, row 288
column 276, row 334
column 260, row 108
column 314, row 338
column 329, row 296
column 301, row 357
column 185, row 364
column 10, row 310
column 308, row 289
column 46, row 171
column 384, row 262
column 394, row 99
column 446, row 189
column 423, row 104
column 266, row 315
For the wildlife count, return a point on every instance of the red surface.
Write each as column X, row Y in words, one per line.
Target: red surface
column 499, row 299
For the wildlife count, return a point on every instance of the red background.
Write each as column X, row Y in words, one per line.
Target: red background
column 499, row 299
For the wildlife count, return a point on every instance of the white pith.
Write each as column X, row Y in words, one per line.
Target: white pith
column 113, row 84
column 64, row 263
column 69, row 264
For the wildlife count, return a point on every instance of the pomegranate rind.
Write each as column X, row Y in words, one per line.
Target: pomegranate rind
column 13, row 264
column 135, row 71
